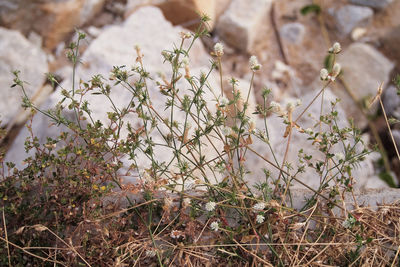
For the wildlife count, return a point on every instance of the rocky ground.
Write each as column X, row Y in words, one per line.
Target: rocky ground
column 290, row 46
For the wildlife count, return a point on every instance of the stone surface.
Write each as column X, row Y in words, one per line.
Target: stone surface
column 348, row 17
column 183, row 12
column 17, row 53
column 390, row 45
column 364, row 198
column 293, row 32
column 364, row 69
column 391, row 102
column 364, row 173
column 53, row 20
column 240, row 23
column 377, row 4
column 114, row 47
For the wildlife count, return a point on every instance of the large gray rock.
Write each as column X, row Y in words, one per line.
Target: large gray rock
column 114, row 47
column 17, row 53
column 239, row 25
column 364, row 69
column 348, row 17
column 376, row 4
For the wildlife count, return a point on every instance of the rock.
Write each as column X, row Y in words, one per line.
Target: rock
column 114, row 47
column 53, row 20
column 239, row 25
column 391, row 102
column 363, row 70
column 364, row 173
column 17, row 53
column 293, row 32
column 376, row 4
column 183, row 12
column 348, row 17
column 390, row 44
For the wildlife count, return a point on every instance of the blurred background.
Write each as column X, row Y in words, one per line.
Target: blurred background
column 289, row 38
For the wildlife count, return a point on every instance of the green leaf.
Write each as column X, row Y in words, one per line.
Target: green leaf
column 387, row 178
column 328, row 62
column 313, row 8
column 396, row 81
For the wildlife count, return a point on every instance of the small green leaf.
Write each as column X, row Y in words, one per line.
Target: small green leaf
column 313, row 8
column 328, row 62
column 387, row 178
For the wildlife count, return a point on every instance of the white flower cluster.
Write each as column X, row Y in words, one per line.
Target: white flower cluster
column 185, row 61
column 259, row 206
column 214, row 226
column 219, row 49
column 275, row 106
column 210, row 206
column 339, row 157
column 325, row 75
column 223, row 102
column 260, row 219
column 292, row 104
column 254, row 64
column 336, row 48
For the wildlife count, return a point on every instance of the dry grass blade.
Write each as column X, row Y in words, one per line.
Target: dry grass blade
column 6, row 236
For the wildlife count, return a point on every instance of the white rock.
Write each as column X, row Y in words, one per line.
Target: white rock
column 293, row 32
column 348, row 17
column 364, row 69
column 239, row 25
column 17, row 53
column 376, row 4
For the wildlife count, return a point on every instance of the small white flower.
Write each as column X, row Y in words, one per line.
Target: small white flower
column 298, row 102
column 226, row 130
column 210, row 206
column 276, row 107
column 339, row 156
column 336, row 70
column 259, row 206
column 185, row 61
column 336, row 48
column 260, row 219
column 308, row 131
column 254, row 64
column 323, row 74
column 223, row 101
column 219, row 49
column 214, row 226
column 188, row 35
column 349, row 222
column 290, row 106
